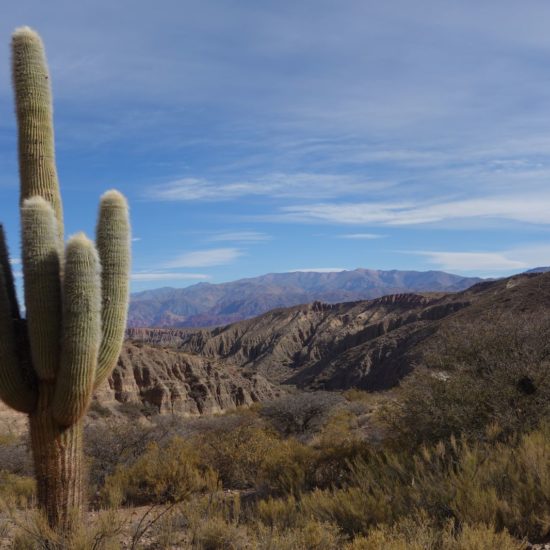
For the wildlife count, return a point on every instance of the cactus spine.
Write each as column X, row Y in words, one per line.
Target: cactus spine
column 76, row 299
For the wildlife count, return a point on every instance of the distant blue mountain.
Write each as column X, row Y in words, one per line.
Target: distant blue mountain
column 206, row 304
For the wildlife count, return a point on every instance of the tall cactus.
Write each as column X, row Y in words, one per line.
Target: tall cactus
column 76, row 299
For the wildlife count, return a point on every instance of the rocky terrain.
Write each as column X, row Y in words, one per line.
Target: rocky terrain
column 205, row 304
column 173, row 382
column 365, row 344
column 368, row 344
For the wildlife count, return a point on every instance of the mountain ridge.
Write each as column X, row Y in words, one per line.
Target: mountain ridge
column 208, row 304
column 366, row 344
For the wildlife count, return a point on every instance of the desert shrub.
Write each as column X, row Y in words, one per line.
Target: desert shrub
column 504, row 485
column 281, row 513
column 217, row 534
column 188, row 427
column 508, row 487
column 16, row 491
column 416, row 532
column 160, row 475
column 312, row 535
column 238, row 455
column 213, row 521
column 15, row 455
column 338, row 445
column 479, row 537
column 493, row 373
column 293, row 467
column 137, row 410
column 419, row 533
column 302, row 413
column 113, row 443
column 34, row 533
column 288, row 469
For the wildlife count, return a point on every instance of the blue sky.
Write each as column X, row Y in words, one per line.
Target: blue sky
column 268, row 136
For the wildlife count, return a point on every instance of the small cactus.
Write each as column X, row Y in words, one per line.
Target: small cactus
column 76, row 299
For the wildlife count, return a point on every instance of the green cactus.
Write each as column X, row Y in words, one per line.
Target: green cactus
column 76, row 300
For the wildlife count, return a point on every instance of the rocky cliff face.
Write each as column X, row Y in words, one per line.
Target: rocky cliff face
column 173, row 382
column 167, row 381
column 328, row 346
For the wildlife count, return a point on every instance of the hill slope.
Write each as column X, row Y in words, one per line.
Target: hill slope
column 207, row 304
column 366, row 344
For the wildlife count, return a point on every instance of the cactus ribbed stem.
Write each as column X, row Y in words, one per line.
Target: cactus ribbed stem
column 16, row 390
column 33, row 103
column 57, row 455
column 113, row 246
column 81, row 331
column 76, row 321
column 5, row 268
column 42, row 284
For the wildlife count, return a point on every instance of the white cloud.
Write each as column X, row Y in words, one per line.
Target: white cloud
column 361, row 236
column 15, row 261
column 279, row 185
column 473, row 261
column 205, row 258
column 167, row 276
column 516, row 259
column 533, row 208
column 243, row 236
column 136, row 239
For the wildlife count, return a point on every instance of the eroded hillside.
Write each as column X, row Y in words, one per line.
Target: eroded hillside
column 365, row 344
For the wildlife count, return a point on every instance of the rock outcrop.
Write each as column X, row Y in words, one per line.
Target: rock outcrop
column 172, row 382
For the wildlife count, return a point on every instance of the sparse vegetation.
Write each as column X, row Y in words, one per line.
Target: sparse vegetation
column 451, row 472
column 484, row 381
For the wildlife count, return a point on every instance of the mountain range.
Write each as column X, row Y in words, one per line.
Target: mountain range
column 206, row 304
column 368, row 344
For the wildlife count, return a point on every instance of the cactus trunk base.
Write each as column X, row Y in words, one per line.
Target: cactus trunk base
column 58, row 463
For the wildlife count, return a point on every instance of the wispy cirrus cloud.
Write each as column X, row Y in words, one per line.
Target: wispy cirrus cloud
column 280, row 185
column 473, row 261
column 524, row 208
column 205, row 258
column 241, row 236
column 515, row 259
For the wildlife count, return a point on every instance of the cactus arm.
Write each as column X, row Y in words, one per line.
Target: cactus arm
column 35, row 121
column 81, row 331
column 42, row 285
column 113, row 245
column 5, row 268
column 15, row 390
